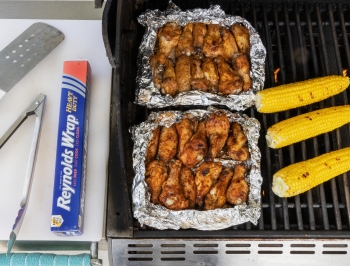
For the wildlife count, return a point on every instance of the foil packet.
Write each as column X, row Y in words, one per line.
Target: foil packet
column 146, row 92
column 158, row 216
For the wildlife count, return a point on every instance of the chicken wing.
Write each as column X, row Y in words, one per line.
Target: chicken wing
column 241, row 64
column 216, row 198
column 241, row 34
column 185, row 43
column 217, row 128
column 169, row 84
column 168, row 141
column 195, row 150
column 187, row 181
column 206, row 174
column 237, row 192
column 199, row 82
column 152, row 146
column 211, row 73
column 230, row 82
column 156, row 174
column 157, row 71
column 199, row 32
column 236, row 144
column 185, row 130
column 229, row 44
column 172, row 195
column 183, row 73
column 212, row 44
column 167, row 38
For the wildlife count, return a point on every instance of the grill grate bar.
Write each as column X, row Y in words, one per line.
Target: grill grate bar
column 269, row 81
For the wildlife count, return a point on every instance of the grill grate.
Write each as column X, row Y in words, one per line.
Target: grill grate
column 302, row 41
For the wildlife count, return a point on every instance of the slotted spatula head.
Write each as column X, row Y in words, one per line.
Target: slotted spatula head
column 25, row 52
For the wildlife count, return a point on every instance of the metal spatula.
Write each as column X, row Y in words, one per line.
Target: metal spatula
column 25, row 52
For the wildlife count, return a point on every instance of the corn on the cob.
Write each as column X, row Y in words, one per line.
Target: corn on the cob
column 298, row 94
column 306, row 126
column 300, row 177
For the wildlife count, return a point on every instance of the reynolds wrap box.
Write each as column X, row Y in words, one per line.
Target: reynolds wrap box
column 70, row 172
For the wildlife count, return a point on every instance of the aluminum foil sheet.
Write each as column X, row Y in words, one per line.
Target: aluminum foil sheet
column 158, row 216
column 147, row 94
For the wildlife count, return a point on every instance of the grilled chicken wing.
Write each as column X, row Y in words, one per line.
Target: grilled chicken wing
column 237, row 192
column 157, row 71
column 212, row 44
column 168, row 141
column 183, row 73
column 195, row 150
column 229, row 44
column 185, row 130
column 241, row 64
column 230, row 82
column 185, row 43
column 216, row 198
column 241, row 34
column 156, row 174
column 217, row 128
column 236, row 144
column 211, row 73
column 172, row 195
column 169, row 84
column 206, row 174
column 199, row 32
column 152, row 146
column 199, row 82
column 187, row 181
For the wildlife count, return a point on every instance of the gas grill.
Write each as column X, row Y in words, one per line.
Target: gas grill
column 303, row 40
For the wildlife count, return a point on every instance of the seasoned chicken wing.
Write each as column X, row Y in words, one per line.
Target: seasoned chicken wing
column 241, row 34
column 183, row 73
column 185, row 130
column 185, row 43
column 167, row 38
column 236, row 144
column 212, row 44
column 157, row 71
column 199, row 32
column 229, row 44
column 172, row 195
column 152, row 146
column 241, row 64
column 169, row 84
column 211, row 73
column 217, row 128
column 206, row 174
column 216, row 198
column 195, row 150
column 168, row 141
column 156, row 174
column 237, row 192
column 230, row 82
column 187, row 181
column 199, row 82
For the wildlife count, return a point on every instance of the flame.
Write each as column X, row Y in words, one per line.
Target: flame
column 345, row 72
column 275, row 74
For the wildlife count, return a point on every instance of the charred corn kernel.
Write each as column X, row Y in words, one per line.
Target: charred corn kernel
column 298, row 94
column 306, row 126
column 300, row 177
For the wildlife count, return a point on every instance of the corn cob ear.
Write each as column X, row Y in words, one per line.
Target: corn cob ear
column 300, row 177
column 298, row 94
column 307, row 125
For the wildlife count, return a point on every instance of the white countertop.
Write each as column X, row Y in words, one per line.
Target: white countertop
column 83, row 39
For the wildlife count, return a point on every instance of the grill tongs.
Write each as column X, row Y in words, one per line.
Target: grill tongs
column 35, row 108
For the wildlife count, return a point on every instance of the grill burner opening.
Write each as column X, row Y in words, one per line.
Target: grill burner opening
column 303, row 40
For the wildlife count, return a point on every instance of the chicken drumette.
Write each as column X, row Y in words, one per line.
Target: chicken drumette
column 183, row 73
column 241, row 64
column 195, row 150
column 212, row 44
column 216, row 198
column 237, row 192
column 185, row 43
column 152, row 146
column 230, row 81
column 156, row 174
column 236, row 144
column 172, row 195
column 199, row 82
column 189, row 185
column 206, row 174
column 169, row 84
column 199, row 32
column 217, row 128
column 168, row 141
column 185, row 130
